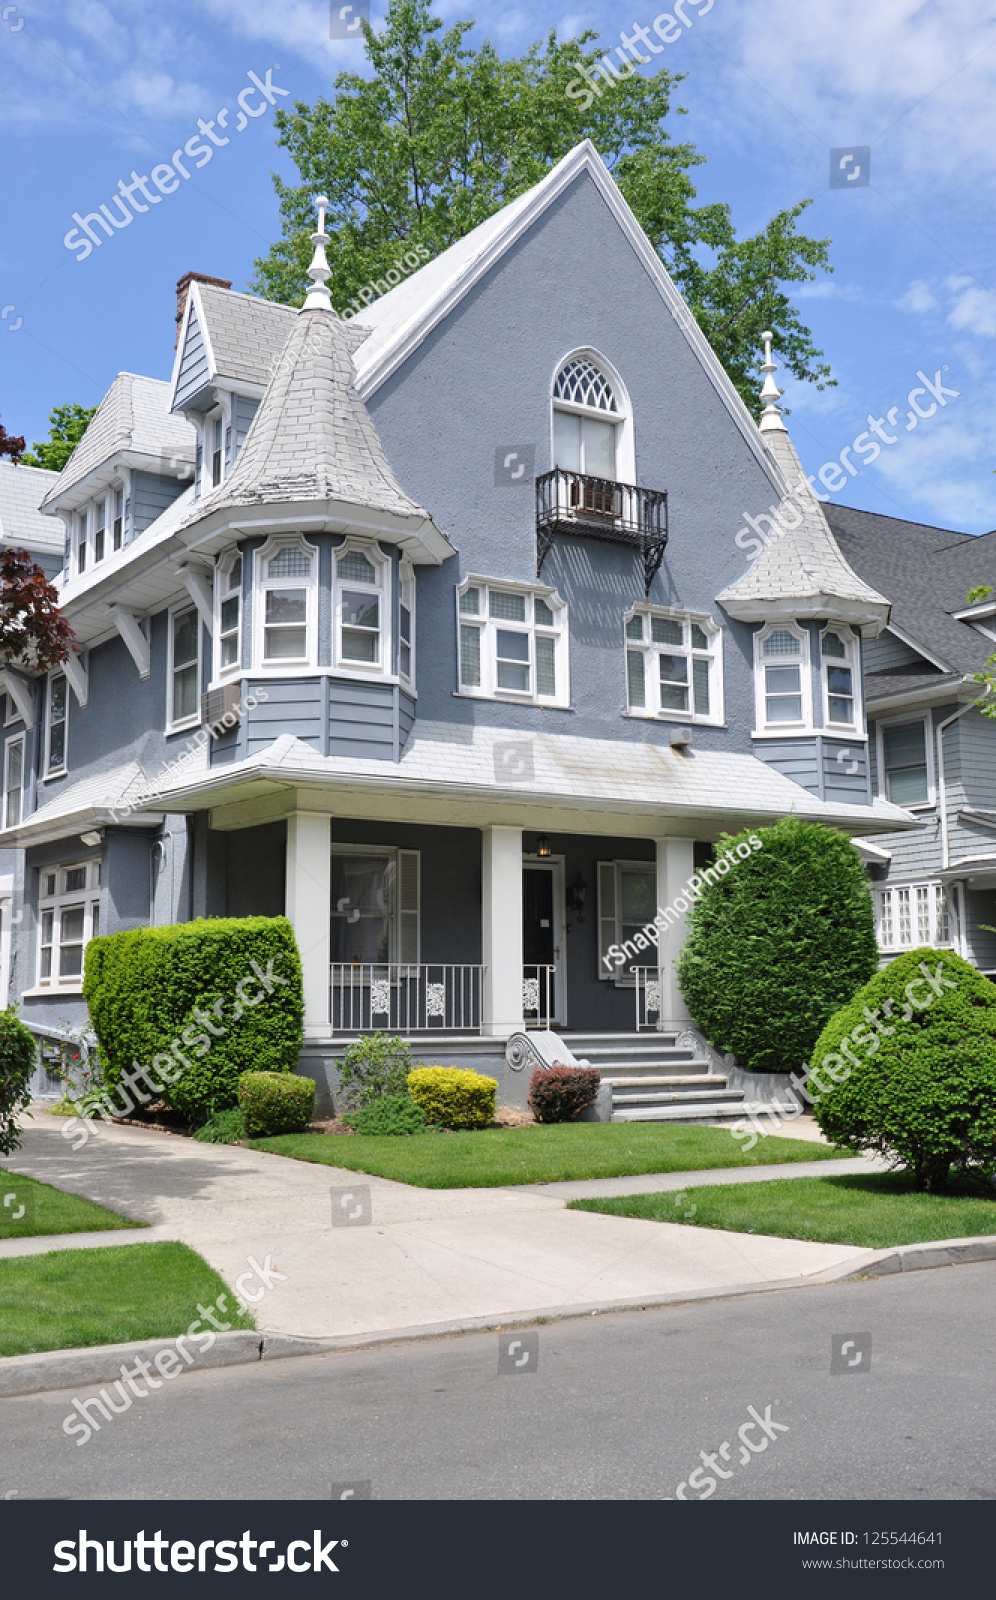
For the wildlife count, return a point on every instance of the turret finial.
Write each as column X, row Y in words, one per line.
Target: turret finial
column 319, row 272
column 771, row 417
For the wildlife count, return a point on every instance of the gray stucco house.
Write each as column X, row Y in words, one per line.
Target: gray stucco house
column 434, row 629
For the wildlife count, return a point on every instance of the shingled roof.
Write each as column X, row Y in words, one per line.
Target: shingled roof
column 132, row 418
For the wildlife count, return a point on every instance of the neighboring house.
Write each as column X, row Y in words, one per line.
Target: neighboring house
column 932, row 751
column 462, row 575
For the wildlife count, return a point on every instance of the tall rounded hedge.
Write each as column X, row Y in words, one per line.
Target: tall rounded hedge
column 778, row 942
column 199, row 1003
column 18, row 1057
column 908, row 1068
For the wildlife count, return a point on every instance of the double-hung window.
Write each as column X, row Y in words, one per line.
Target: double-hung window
column 184, row 667
column 360, row 609
column 287, row 605
column 904, row 762
column 68, row 918
column 81, row 536
column 782, row 679
column 375, row 906
column 406, row 623
column 838, row 648
column 512, row 643
column 216, row 455
column 627, row 904
column 56, row 709
column 118, row 530
column 912, row 915
column 674, row 665
column 13, row 785
column 100, row 529
column 229, row 615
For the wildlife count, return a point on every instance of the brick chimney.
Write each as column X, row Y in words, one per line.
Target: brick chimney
column 183, row 289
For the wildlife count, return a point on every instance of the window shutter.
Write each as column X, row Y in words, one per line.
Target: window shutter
column 408, row 891
column 606, row 915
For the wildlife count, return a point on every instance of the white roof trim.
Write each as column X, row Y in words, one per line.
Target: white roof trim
column 212, row 365
column 520, row 216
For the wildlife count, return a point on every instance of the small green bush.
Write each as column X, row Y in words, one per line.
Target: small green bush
column 224, row 1127
column 18, row 1054
column 454, row 1097
column 908, row 1068
column 374, row 1065
column 559, row 1094
column 778, row 942
column 199, row 1004
column 275, row 1102
column 389, row 1114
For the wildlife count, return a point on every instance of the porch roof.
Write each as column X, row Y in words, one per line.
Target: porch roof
column 478, row 776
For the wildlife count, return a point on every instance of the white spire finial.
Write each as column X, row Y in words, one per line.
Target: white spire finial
column 319, row 272
column 771, row 417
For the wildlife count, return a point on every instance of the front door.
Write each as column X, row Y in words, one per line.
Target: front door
column 543, row 943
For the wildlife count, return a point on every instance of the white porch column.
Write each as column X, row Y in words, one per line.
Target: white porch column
column 675, row 865
column 501, row 877
column 309, row 887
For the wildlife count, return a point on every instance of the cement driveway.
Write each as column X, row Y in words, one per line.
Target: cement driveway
column 418, row 1257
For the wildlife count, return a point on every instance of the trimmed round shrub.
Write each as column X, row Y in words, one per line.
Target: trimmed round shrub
column 275, row 1102
column 778, row 942
column 389, row 1114
column 453, row 1096
column 18, row 1054
column 374, row 1065
column 559, row 1094
column 908, row 1068
column 196, row 1004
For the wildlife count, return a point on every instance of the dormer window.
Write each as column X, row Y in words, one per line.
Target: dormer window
column 118, row 533
column 217, row 434
column 287, row 606
column 783, row 697
column 839, row 647
column 99, row 532
column 81, row 542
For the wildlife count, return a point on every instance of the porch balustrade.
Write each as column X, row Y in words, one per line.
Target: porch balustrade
column 538, row 1000
column 402, row 997
column 648, row 999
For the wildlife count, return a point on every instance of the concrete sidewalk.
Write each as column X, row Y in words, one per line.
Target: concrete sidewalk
column 427, row 1256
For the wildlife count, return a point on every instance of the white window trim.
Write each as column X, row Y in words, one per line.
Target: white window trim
column 57, row 903
column 100, row 502
column 81, row 539
column 222, row 592
column 653, row 711
column 406, row 598
column 928, row 745
column 370, row 551
column 193, row 721
column 50, row 771
column 855, row 728
column 622, row 416
column 783, row 730
column 19, row 739
column 891, row 893
column 489, row 625
column 285, row 668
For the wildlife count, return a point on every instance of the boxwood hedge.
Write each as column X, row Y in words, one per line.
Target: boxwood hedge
column 199, row 1003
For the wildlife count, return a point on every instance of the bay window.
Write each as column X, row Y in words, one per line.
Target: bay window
column 841, row 676
column 228, row 613
column 13, row 787
column 361, row 609
column 783, row 696
column 287, row 604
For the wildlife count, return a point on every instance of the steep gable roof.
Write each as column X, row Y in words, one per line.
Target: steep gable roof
column 22, row 490
column 227, row 336
column 132, row 419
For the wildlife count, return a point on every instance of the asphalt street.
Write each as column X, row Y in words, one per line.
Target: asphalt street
column 621, row 1406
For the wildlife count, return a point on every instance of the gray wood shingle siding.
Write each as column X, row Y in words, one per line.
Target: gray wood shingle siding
column 797, row 759
column 150, row 495
column 363, row 720
column 193, row 372
column 293, row 706
column 333, row 715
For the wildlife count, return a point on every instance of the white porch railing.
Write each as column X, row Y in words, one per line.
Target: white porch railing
column 401, row 997
column 648, row 999
column 538, row 998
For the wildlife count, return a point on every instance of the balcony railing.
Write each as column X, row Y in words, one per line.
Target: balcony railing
column 538, row 996
column 648, row 999
column 575, row 502
column 404, row 998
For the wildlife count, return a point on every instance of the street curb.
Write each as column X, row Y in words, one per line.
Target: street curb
column 65, row 1369
column 935, row 1253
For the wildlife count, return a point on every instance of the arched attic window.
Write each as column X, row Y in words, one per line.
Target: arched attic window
column 587, row 419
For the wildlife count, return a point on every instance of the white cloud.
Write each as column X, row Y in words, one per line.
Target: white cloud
column 918, row 299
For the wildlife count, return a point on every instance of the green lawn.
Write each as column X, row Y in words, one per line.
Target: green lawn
column 70, row 1298
column 875, row 1210
column 550, row 1154
column 48, row 1210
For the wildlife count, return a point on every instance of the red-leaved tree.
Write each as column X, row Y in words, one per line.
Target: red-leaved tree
column 33, row 631
column 9, row 446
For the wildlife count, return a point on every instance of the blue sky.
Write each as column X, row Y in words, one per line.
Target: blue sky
column 91, row 90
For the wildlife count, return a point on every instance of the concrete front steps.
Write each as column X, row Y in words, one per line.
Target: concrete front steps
column 656, row 1079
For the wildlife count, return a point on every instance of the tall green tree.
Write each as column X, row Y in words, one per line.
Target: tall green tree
column 68, row 424
column 441, row 136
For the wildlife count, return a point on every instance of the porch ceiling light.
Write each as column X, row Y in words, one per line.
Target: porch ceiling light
column 543, row 845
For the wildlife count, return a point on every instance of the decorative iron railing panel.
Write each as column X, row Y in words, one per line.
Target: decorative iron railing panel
column 538, row 996
column 400, row 997
column 600, row 508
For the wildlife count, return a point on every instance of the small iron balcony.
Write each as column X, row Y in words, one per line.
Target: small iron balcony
column 599, row 508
